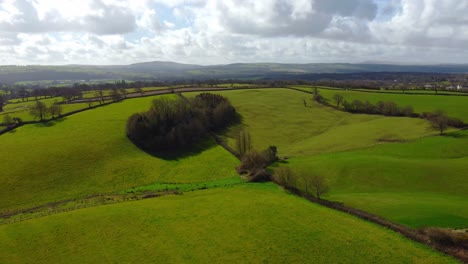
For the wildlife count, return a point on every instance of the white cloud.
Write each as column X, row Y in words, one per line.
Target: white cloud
column 215, row 31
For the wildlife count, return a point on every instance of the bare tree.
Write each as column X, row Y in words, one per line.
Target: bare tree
column 139, row 90
column 243, row 143
column 55, row 109
column 99, row 94
column 284, row 176
column 317, row 183
column 338, row 99
column 39, row 110
column 439, row 121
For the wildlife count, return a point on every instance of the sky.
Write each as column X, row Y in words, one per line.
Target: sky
column 207, row 32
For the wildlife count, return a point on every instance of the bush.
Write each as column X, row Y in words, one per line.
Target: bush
column 447, row 237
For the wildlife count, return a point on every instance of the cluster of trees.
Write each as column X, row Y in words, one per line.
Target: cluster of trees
column 172, row 125
column 439, row 119
column 41, row 111
column 381, row 108
column 253, row 162
column 313, row 184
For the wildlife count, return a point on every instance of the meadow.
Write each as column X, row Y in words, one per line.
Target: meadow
column 419, row 183
column 390, row 166
column 249, row 223
column 395, row 167
column 21, row 109
column 89, row 153
column 278, row 117
column 454, row 106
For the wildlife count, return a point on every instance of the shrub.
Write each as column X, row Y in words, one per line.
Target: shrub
column 446, row 236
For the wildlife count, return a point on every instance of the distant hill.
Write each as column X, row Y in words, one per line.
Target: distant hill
column 163, row 70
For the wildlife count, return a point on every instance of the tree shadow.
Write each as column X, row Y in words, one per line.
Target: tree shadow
column 50, row 123
column 174, row 155
column 232, row 130
column 457, row 134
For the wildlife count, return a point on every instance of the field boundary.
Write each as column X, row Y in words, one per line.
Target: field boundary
column 380, row 92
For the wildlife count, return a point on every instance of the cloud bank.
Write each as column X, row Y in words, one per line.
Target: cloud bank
column 217, row 32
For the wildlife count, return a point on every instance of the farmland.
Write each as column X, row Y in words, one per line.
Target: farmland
column 453, row 105
column 395, row 167
column 254, row 223
column 89, row 153
column 278, row 117
column 353, row 152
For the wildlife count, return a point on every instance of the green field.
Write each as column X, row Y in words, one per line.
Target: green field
column 250, row 223
column 21, row 109
column 455, row 106
column 395, row 167
column 278, row 117
column 420, row 183
column 89, row 153
column 354, row 153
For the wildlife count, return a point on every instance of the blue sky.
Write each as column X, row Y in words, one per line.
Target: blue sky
column 230, row 31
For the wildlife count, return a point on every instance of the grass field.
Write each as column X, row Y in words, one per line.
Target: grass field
column 278, row 117
column 250, row 223
column 89, row 153
column 21, row 109
column 455, row 106
column 420, row 183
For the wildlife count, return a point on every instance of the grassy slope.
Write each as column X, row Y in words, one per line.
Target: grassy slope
column 278, row 117
column 89, row 153
column 254, row 223
column 418, row 183
column 455, row 106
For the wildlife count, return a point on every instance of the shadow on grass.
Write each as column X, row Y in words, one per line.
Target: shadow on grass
column 233, row 129
column 50, row 123
column 457, row 134
column 205, row 144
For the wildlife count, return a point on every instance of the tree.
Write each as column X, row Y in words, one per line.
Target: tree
column 115, row 95
column 284, row 176
column 7, row 120
column 99, row 94
column 243, row 143
column 139, row 90
column 3, row 101
column 439, row 121
column 55, row 109
column 338, row 99
column 317, row 183
column 39, row 110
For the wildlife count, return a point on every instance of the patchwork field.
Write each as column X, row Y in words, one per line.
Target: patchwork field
column 251, row 223
column 89, row 153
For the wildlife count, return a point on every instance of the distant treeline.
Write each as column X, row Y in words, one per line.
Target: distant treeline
column 172, row 125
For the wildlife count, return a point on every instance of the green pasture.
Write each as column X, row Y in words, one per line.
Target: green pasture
column 89, row 153
column 420, row 183
column 455, row 106
column 278, row 117
column 250, row 223
column 21, row 110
